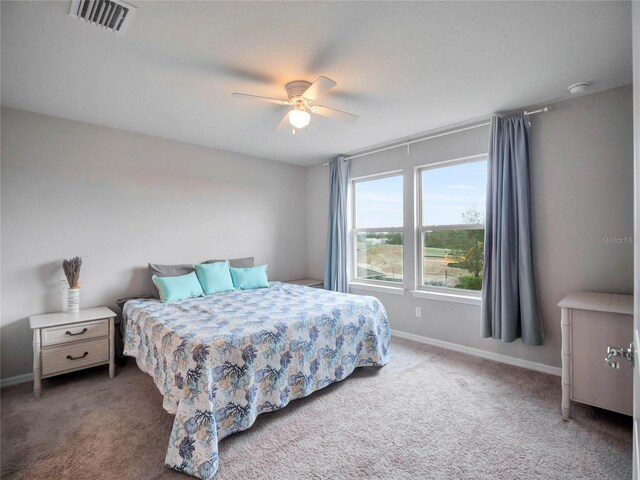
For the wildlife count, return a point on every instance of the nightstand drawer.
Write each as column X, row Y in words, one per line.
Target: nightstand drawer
column 74, row 356
column 72, row 333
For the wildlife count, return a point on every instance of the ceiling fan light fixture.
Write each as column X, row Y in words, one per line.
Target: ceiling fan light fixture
column 299, row 118
column 302, row 96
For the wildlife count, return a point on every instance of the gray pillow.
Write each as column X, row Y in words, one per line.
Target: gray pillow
column 246, row 262
column 170, row 270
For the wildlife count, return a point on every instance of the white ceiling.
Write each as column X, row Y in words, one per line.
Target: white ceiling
column 403, row 67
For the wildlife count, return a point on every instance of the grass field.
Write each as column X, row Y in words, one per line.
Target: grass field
column 435, row 252
column 385, row 262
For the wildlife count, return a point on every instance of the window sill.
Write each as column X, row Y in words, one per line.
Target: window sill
column 377, row 288
column 447, row 297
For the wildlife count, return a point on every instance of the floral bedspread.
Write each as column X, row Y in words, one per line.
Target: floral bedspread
column 220, row 361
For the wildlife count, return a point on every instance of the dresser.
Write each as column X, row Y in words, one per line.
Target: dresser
column 591, row 322
column 65, row 342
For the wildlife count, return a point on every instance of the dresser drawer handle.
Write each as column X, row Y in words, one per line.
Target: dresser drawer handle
column 84, row 330
column 69, row 357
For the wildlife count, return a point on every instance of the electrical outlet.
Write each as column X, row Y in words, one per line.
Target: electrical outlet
column 418, row 312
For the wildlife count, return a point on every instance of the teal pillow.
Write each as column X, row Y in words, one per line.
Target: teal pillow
column 214, row 277
column 248, row 278
column 177, row 288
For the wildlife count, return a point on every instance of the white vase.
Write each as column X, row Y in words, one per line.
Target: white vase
column 73, row 300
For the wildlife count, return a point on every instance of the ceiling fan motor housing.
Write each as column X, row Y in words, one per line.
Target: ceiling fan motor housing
column 296, row 89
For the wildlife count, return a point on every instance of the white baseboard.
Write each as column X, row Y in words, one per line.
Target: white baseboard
column 25, row 377
column 476, row 352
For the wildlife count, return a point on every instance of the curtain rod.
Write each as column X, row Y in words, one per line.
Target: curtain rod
column 435, row 135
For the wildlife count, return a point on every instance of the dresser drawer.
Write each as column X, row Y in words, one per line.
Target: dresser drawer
column 72, row 333
column 592, row 381
column 73, row 356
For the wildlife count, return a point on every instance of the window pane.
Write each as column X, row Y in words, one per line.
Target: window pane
column 455, row 194
column 379, row 202
column 379, row 256
column 453, row 258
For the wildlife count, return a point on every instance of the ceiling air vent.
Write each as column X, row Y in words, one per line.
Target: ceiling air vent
column 113, row 15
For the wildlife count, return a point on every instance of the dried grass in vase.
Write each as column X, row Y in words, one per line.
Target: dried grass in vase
column 72, row 271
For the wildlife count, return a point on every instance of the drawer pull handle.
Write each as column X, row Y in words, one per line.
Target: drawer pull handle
column 84, row 330
column 69, row 357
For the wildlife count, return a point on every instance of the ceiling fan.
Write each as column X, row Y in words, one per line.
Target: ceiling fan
column 302, row 96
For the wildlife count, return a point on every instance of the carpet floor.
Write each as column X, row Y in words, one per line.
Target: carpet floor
column 430, row 413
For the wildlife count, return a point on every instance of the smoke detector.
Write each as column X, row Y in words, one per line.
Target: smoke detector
column 579, row 87
column 112, row 15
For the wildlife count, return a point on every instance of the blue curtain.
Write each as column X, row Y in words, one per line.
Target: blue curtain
column 335, row 270
column 509, row 300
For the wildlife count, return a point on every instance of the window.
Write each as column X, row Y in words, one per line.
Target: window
column 451, row 229
column 377, row 234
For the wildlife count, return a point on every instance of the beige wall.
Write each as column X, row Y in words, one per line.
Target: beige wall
column 121, row 200
column 582, row 186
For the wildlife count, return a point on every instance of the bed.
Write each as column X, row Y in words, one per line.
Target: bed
column 220, row 361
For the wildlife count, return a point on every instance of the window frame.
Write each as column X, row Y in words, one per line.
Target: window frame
column 420, row 229
column 353, row 237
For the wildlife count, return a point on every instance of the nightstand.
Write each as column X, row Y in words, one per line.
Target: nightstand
column 308, row 282
column 65, row 342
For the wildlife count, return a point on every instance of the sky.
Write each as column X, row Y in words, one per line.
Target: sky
column 447, row 193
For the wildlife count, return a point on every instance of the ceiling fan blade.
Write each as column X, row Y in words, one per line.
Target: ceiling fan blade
column 284, row 122
column 333, row 113
column 262, row 99
column 318, row 88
